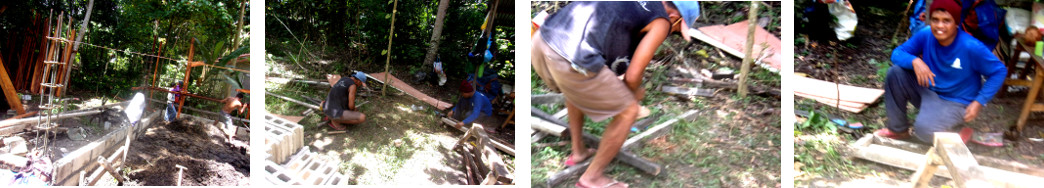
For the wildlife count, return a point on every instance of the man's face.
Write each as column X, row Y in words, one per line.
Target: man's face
column 944, row 26
column 678, row 24
column 468, row 94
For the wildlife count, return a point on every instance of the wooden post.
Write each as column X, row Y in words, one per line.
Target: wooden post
column 391, row 34
column 9, row 90
column 748, row 55
column 188, row 69
column 927, row 171
column 180, row 170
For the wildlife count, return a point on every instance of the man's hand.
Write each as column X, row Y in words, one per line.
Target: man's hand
column 925, row 77
column 972, row 111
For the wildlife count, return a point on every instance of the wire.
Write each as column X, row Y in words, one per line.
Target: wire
column 141, row 54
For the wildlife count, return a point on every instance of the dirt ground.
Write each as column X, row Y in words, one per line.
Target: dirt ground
column 402, row 141
column 209, row 159
column 863, row 61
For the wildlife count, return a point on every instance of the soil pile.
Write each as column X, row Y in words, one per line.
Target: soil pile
column 209, row 159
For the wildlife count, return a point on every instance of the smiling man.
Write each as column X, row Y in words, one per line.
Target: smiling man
column 940, row 71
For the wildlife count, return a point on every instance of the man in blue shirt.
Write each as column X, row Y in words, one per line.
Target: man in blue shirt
column 479, row 105
column 940, row 71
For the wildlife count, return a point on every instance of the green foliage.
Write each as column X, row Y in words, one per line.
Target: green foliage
column 818, row 123
column 357, row 32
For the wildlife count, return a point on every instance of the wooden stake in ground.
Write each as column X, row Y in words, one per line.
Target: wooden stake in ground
column 391, row 33
column 747, row 57
column 180, row 170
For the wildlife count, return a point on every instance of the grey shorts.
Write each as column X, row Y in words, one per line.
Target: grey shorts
column 598, row 95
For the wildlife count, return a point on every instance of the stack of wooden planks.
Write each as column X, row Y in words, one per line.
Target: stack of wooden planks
column 846, row 97
column 482, row 164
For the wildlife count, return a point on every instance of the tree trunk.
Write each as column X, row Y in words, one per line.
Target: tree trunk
column 391, row 34
column 239, row 29
column 436, row 34
column 748, row 57
column 76, row 46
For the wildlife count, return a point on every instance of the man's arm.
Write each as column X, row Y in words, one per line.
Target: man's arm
column 351, row 97
column 656, row 32
column 905, row 54
column 475, row 111
column 994, row 71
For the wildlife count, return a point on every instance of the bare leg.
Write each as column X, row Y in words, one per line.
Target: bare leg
column 612, row 140
column 576, row 132
column 349, row 117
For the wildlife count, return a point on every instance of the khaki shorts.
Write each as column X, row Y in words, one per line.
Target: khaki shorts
column 599, row 96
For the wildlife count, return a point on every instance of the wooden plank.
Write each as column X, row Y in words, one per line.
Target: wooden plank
column 550, row 98
column 548, row 127
column 409, row 90
column 963, row 168
column 826, row 89
column 499, row 145
column 924, row 174
column 9, row 90
column 911, row 161
column 832, row 101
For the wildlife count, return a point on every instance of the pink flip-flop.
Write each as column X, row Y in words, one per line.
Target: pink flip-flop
column 570, row 162
column 578, row 184
column 331, row 123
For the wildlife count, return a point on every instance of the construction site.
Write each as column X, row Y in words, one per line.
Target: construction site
column 840, row 103
column 405, row 77
column 696, row 126
column 84, row 110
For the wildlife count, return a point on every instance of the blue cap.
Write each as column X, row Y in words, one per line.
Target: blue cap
column 360, row 76
column 690, row 11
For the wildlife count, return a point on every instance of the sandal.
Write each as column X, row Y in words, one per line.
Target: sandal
column 331, row 123
column 570, row 162
column 604, row 186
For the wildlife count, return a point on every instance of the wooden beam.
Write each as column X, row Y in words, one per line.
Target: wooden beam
column 550, row 98
column 548, row 127
column 963, row 168
column 924, row 175
column 9, row 90
column 912, row 161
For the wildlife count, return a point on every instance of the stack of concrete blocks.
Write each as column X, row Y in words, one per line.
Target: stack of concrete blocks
column 284, row 141
column 282, row 138
column 313, row 169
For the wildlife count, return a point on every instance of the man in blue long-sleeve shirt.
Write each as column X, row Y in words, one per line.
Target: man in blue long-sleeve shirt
column 479, row 104
column 940, row 70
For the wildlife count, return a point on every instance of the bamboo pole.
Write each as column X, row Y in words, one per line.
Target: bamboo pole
column 749, row 53
column 391, row 34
